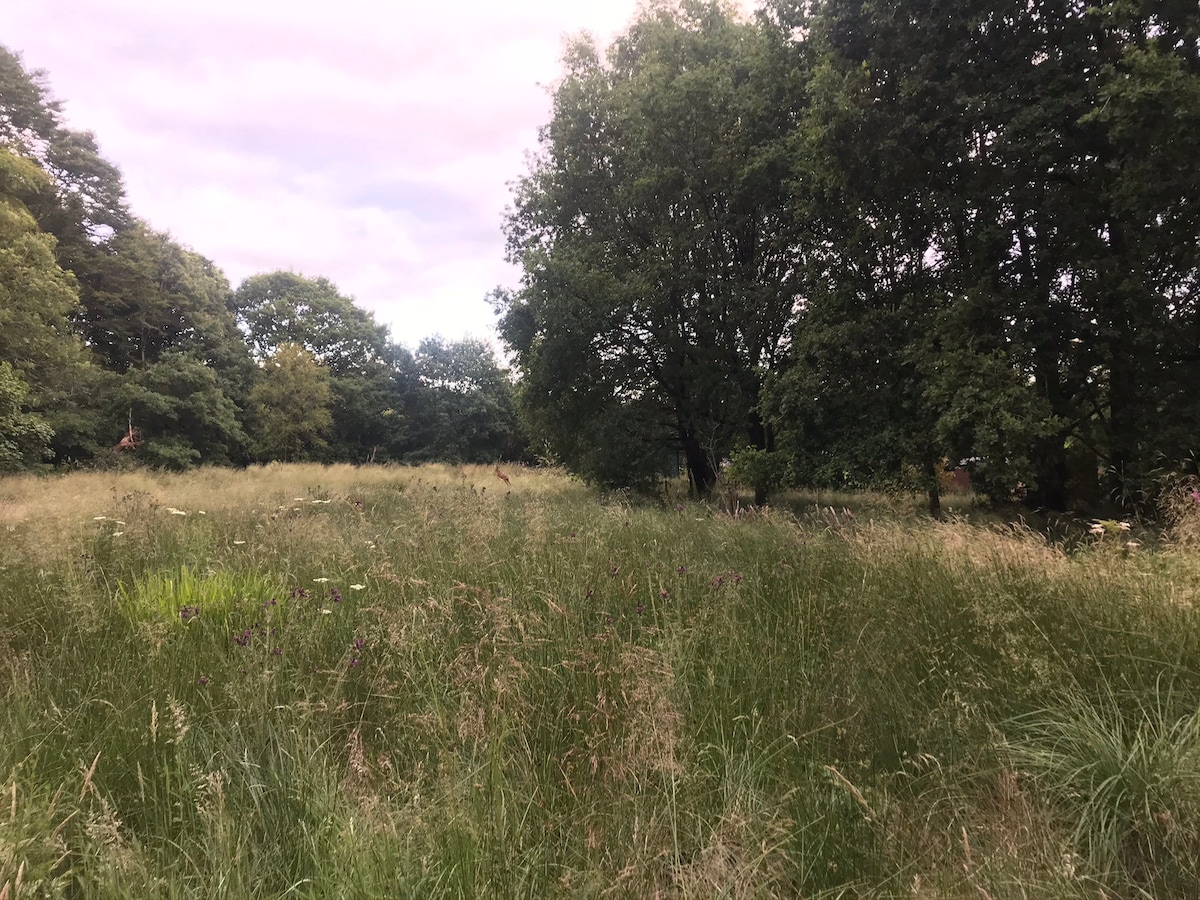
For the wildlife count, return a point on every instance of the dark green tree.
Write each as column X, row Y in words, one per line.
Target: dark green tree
column 37, row 302
column 461, row 408
column 970, row 172
column 658, row 256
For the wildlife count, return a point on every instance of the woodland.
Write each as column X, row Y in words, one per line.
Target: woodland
column 844, row 243
column 115, row 335
column 841, row 244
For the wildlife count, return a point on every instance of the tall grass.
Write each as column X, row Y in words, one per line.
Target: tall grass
column 338, row 682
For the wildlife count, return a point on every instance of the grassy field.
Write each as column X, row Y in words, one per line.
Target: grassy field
column 298, row 681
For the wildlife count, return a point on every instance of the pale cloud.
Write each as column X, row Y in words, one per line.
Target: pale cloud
column 368, row 141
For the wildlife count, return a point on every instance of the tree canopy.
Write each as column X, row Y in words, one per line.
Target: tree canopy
column 873, row 237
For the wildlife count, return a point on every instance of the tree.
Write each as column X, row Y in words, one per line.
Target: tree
column 462, row 406
column 281, row 308
column 285, row 308
column 24, row 436
column 37, row 302
column 658, row 260
column 183, row 411
column 967, row 168
column 290, row 406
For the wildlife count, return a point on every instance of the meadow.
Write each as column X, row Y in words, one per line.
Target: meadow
column 337, row 682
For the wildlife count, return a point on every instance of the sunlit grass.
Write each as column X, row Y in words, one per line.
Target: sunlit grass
column 424, row 682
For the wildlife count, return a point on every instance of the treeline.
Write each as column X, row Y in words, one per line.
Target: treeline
column 849, row 242
column 110, row 330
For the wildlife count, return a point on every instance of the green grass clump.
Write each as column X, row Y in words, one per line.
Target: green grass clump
column 388, row 682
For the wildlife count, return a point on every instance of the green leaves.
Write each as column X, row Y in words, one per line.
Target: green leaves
column 654, row 247
column 290, row 406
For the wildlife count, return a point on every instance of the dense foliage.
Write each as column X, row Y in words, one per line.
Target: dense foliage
column 871, row 236
column 110, row 329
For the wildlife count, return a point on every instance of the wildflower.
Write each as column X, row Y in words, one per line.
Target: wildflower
column 1125, row 526
column 187, row 613
column 278, row 651
column 664, row 595
column 354, row 663
column 1195, row 495
column 242, row 640
column 1133, row 545
column 320, row 580
column 682, row 570
column 358, row 587
column 1097, row 528
column 201, row 512
column 335, row 595
column 297, row 499
column 99, row 518
column 203, row 680
column 326, row 612
column 300, row 594
column 614, row 570
column 118, row 522
column 359, row 643
column 117, row 533
column 175, row 512
column 640, row 609
column 717, row 581
column 238, row 543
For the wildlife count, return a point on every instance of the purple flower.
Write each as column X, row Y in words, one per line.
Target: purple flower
column 203, row 679
column 717, row 581
column 278, row 651
column 359, row 643
column 187, row 613
column 299, row 594
column 640, row 608
column 335, row 595
column 664, row 595
column 242, row 640
column 354, row 663
column 682, row 570
column 1195, row 495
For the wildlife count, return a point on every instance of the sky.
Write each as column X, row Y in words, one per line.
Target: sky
column 372, row 142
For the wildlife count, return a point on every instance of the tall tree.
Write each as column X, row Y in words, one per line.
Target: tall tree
column 657, row 256
column 462, row 406
column 37, row 302
column 973, row 152
column 290, row 406
column 283, row 308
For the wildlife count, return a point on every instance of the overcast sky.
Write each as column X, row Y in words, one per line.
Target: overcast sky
column 369, row 141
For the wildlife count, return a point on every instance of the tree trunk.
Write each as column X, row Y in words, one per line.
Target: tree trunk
column 933, row 489
column 702, row 472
